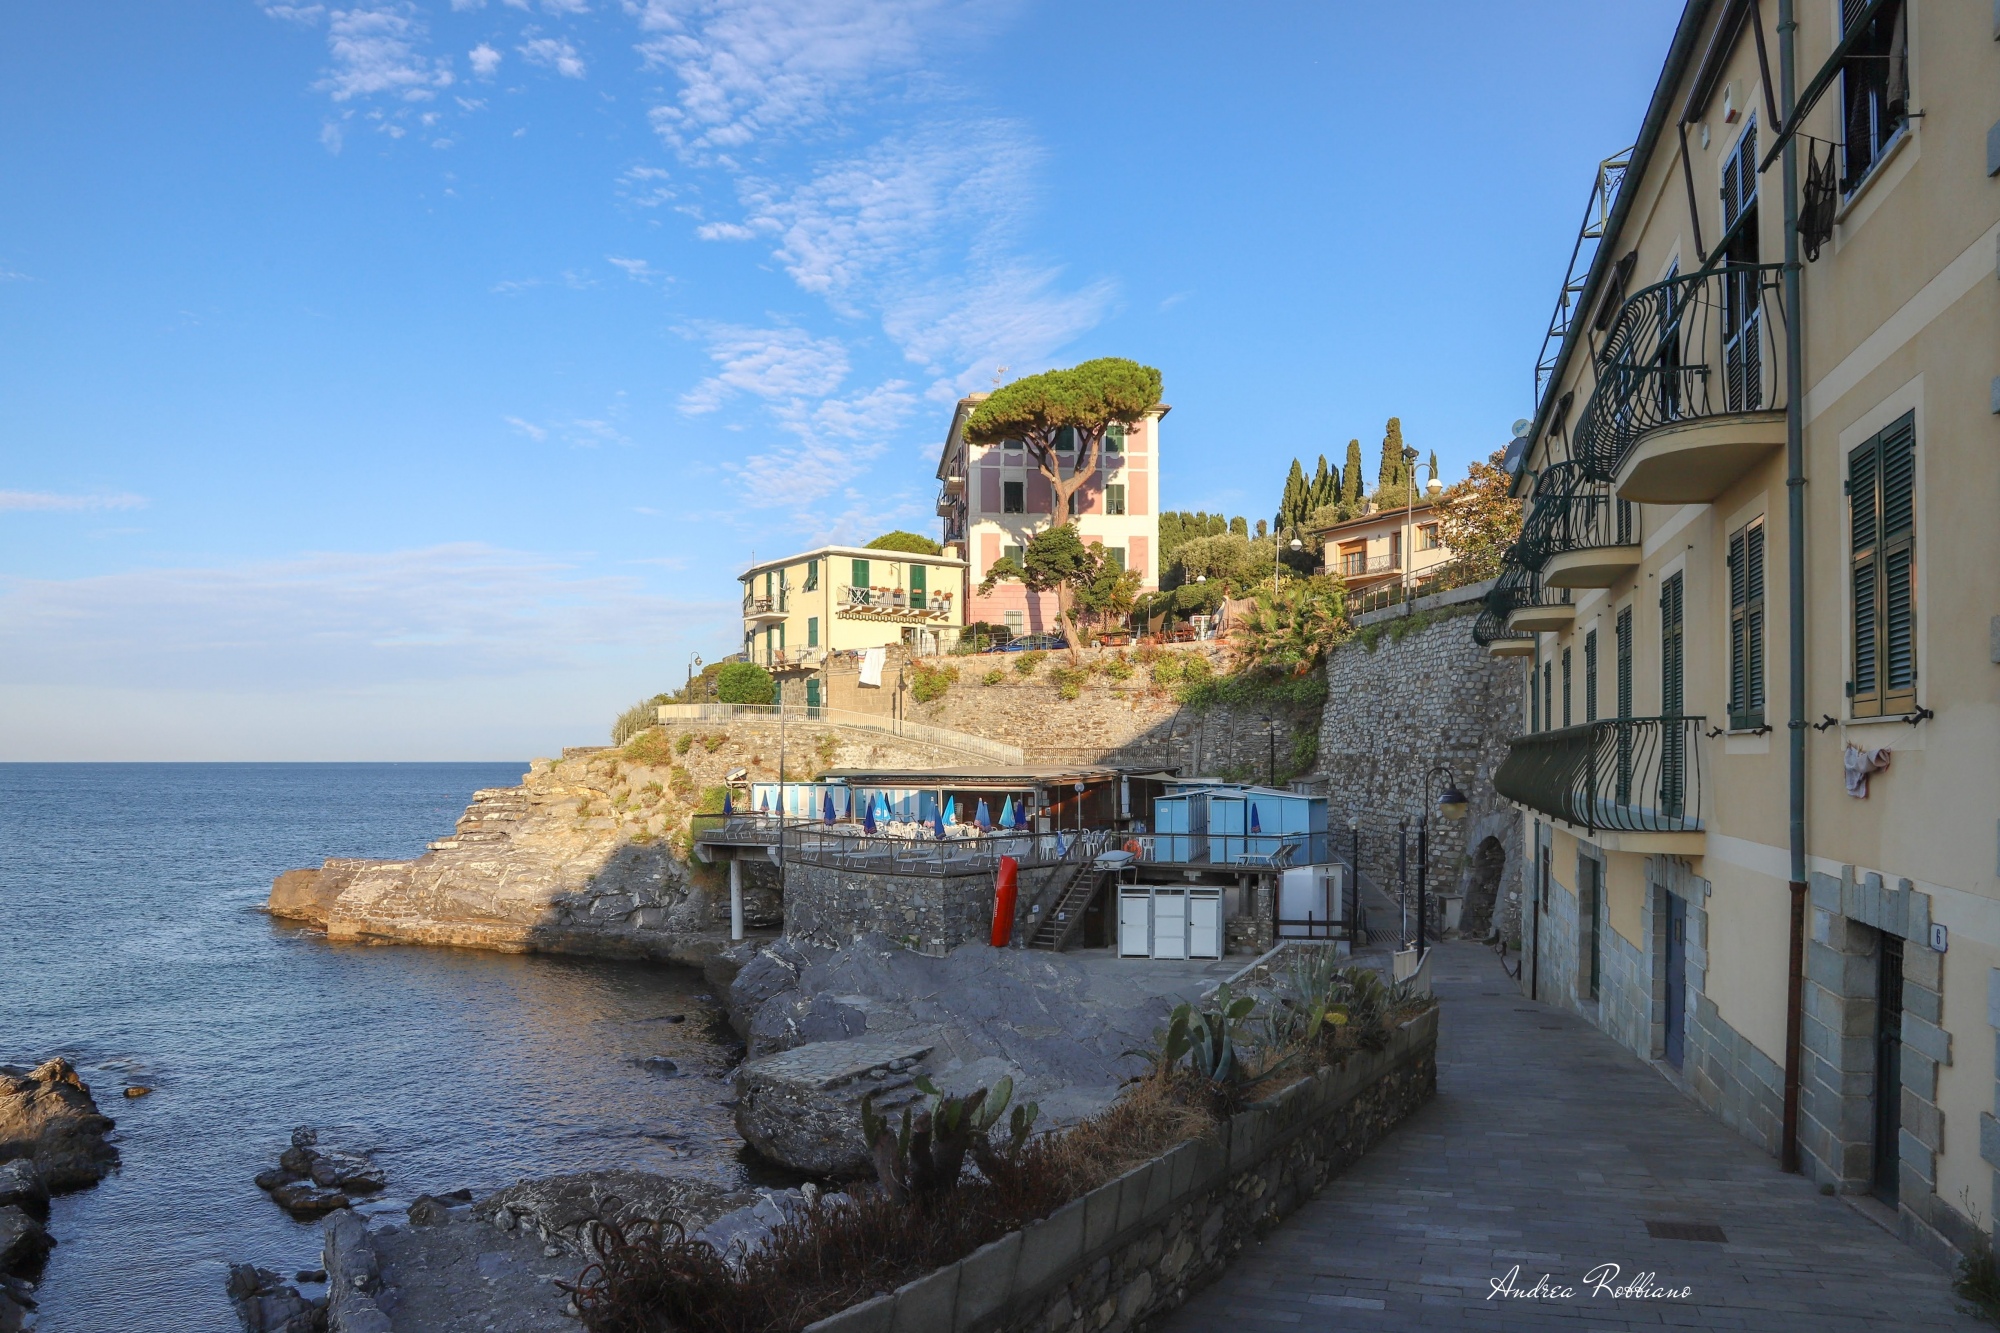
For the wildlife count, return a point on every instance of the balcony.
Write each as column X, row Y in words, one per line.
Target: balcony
column 764, row 610
column 1690, row 388
column 891, row 604
column 1491, row 633
column 1360, row 565
column 1638, row 778
column 1578, row 534
column 1525, row 605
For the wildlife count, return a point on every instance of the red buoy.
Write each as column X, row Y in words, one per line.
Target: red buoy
column 1004, row 895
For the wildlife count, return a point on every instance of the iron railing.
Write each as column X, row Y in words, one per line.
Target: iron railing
column 1490, row 629
column 1628, row 774
column 846, row 847
column 1255, row 850
column 1360, row 564
column 1707, row 345
column 1571, row 513
column 763, row 606
column 892, row 600
column 1440, row 578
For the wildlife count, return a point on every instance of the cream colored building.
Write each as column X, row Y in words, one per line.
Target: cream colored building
column 993, row 499
column 799, row 611
column 1385, row 547
column 1835, row 996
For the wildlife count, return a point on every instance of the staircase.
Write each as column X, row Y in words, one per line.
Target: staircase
column 1065, row 913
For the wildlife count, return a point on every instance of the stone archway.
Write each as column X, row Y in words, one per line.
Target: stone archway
column 1486, row 867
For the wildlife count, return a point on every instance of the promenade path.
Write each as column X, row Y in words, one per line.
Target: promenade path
column 1551, row 1147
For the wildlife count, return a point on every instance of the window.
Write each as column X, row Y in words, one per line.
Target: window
column 1013, row 497
column 919, row 584
column 812, row 631
column 1566, row 690
column 1590, row 909
column 1116, row 556
column 1874, row 86
column 1590, row 676
column 812, row 576
column 1746, row 626
column 1549, row 693
column 1066, row 440
column 1625, row 533
column 1742, row 289
column 1354, row 559
column 1881, row 498
column 1114, row 438
column 770, row 584
column 1011, row 553
column 1673, row 657
column 1625, row 662
column 1534, row 701
column 1114, row 499
column 860, row 574
column 1016, row 621
column 1427, row 537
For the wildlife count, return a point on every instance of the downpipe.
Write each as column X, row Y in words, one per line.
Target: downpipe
column 1795, row 559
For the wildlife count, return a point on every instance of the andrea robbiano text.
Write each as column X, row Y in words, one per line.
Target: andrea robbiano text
column 1599, row 1281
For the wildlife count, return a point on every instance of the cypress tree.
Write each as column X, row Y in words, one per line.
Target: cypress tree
column 1263, row 530
column 1240, row 526
column 1291, row 507
column 1350, row 481
column 1394, row 472
column 1434, row 466
column 1325, row 488
column 1217, row 525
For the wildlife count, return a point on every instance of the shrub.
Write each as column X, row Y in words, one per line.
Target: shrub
column 684, row 742
column 993, row 677
column 1117, row 668
column 633, row 721
column 1146, row 654
column 744, row 683
column 1027, row 662
column 929, row 683
column 980, row 635
column 649, row 747
column 714, row 741
column 683, row 782
column 827, row 747
column 1069, row 680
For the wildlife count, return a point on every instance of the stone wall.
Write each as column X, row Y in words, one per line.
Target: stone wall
column 1397, row 705
column 930, row 914
column 1132, row 1250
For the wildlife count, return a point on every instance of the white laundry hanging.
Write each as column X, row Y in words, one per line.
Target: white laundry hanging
column 1857, row 763
column 872, row 662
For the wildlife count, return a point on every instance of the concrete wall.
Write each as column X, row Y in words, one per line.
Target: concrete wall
column 1132, row 1250
column 930, row 914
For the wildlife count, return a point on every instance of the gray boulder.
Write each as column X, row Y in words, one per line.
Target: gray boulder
column 266, row 1304
column 21, row 1184
column 802, row 1107
column 22, row 1239
column 558, row 1209
column 47, row 1113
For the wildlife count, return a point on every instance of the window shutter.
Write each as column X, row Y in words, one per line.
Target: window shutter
column 919, row 584
column 1738, row 657
column 1898, row 655
column 1753, row 623
column 1864, row 536
column 1590, row 676
column 1625, row 662
column 860, row 573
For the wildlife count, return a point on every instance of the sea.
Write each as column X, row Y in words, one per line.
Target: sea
column 133, row 941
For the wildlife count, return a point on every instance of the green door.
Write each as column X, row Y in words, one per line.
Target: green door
column 919, row 585
column 812, row 696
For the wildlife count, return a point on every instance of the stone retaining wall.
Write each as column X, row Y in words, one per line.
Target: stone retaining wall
column 929, row 914
column 1131, row 1250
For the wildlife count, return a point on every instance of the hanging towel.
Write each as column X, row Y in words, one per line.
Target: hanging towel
column 1857, row 764
column 872, row 662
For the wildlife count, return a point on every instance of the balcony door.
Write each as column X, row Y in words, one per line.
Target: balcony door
column 1673, row 738
column 1676, row 970
column 1742, row 320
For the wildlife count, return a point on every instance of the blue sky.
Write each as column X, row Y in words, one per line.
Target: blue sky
column 402, row 380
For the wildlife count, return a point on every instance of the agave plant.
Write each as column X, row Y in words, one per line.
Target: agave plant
column 925, row 1157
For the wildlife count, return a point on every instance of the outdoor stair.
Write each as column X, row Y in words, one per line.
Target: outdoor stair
column 1065, row 914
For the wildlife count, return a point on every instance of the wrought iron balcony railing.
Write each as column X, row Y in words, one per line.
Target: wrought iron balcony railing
column 1519, row 586
column 1628, row 774
column 1490, row 629
column 1707, row 345
column 1359, row 564
column 1571, row 513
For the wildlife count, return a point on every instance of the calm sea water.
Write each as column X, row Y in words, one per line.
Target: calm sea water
column 132, row 942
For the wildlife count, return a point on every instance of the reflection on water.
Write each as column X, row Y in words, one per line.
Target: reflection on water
column 131, row 941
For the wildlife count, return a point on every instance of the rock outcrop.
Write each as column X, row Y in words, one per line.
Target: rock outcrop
column 313, row 1178
column 266, row 1303
column 47, row 1116
column 802, row 1107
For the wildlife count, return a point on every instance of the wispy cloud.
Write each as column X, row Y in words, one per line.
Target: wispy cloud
column 48, row 501
column 554, row 53
column 528, row 428
column 484, row 61
column 12, row 275
column 775, row 364
column 376, row 49
column 637, row 269
column 348, row 618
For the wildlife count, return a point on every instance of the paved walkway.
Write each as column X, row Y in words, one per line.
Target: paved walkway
column 1551, row 1147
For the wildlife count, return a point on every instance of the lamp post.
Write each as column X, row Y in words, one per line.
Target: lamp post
column 1354, row 876
column 1271, row 763
column 1409, row 509
column 1450, row 805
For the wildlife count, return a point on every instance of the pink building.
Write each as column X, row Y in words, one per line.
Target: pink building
column 992, row 500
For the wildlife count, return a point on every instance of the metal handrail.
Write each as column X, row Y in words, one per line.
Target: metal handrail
column 1571, row 512
column 1687, row 349
column 1490, row 629
column 844, row 846
column 1626, row 774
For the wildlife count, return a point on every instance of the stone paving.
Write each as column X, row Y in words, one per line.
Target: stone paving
column 1551, row 1148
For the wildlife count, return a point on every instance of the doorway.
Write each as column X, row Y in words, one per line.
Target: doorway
column 1676, row 977
column 1888, row 1066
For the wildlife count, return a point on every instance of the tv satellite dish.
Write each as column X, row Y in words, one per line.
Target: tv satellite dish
column 1523, row 426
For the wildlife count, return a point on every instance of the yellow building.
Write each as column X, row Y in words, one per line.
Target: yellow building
column 1399, row 545
column 801, row 610
column 1755, row 592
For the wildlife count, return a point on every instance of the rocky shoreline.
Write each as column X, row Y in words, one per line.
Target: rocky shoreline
column 53, row 1139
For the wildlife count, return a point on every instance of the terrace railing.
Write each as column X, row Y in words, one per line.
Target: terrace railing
column 1571, row 512
column 846, row 847
column 1628, row 774
column 892, row 601
column 1706, row 345
column 1255, row 850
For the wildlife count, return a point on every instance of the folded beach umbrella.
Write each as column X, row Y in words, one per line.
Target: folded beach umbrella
column 828, row 812
column 983, row 818
column 727, row 807
column 764, row 805
column 1007, row 812
column 1021, row 815
column 868, row 820
column 937, row 823
column 951, row 810
column 1255, row 827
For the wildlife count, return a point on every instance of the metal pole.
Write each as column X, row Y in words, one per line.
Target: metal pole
column 1795, row 544
column 1354, row 886
column 1403, row 879
column 1271, row 764
column 1423, row 870
column 735, row 898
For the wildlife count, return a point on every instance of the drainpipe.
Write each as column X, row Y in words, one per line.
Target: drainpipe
column 1795, row 559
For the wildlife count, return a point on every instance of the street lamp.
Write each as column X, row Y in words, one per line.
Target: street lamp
column 1450, row 805
column 1271, row 735
column 1354, row 876
column 1409, row 510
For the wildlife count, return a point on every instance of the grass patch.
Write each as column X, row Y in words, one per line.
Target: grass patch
column 1398, row 628
column 1027, row 662
column 929, row 683
column 993, row 677
column 1069, row 680
column 1117, row 667
column 684, row 742
column 649, row 747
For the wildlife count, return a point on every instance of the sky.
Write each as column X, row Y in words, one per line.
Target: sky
column 409, row 379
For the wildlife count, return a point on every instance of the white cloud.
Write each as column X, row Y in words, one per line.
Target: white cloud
column 565, row 6
column 341, row 618
column 484, row 60
column 553, row 53
column 47, row 501
column 331, row 137
column 772, row 364
column 724, row 231
column 512, row 285
column 646, row 186
column 527, row 428
column 308, row 14
column 12, row 275
column 375, row 50
column 752, row 68
column 636, row 269
column 1012, row 314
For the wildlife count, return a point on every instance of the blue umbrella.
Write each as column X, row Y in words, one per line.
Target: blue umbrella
column 764, row 805
column 982, row 818
column 829, row 807
column 850, row 802
column 1021, row 815
column 1255, row 827
column 727, row 807
column 868, row 820
column 951, row 810
column 1007, row 812
column 937, row 823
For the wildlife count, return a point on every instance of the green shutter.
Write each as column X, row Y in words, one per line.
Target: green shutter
column 1625, row 662
column 919, row 584
column 1590, row 676
column 1753, row 624
column 860, row 579
column 812, row 631
column 1899, row 558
